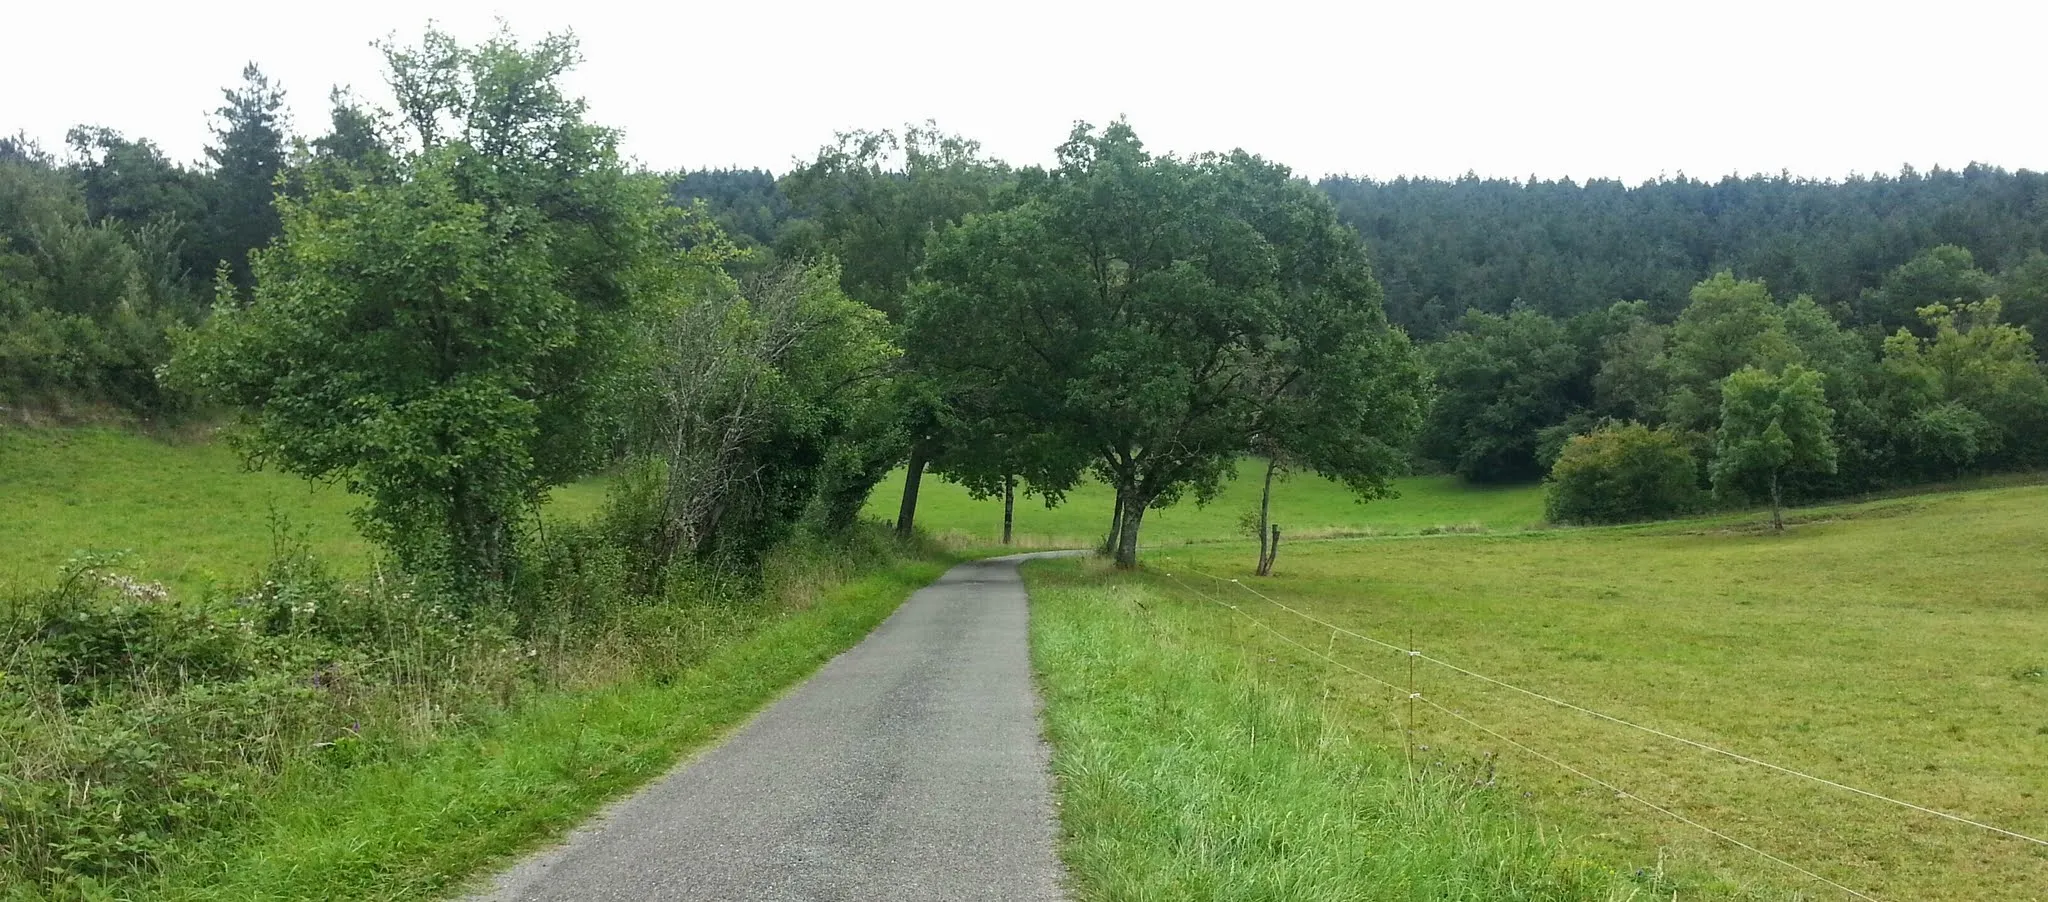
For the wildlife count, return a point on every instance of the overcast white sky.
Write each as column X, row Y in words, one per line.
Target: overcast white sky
column 1627, row 90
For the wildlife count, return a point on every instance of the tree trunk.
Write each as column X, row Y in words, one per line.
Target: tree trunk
column 1127, row 539
column 1116, row 524
column 478, row 550
column 1272, row 553
column 906, row 513
column 1009, row 506
column 1267, row 553
column 1777, row 505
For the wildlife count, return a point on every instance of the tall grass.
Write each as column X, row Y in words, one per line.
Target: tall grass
column 1185, row 772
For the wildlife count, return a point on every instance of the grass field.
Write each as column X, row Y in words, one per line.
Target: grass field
column 1899, row 646
column 1305, row 505
column 186, row 513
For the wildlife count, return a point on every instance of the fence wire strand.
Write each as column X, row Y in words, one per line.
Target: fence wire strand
column 1525, row 749
column 1736, row 756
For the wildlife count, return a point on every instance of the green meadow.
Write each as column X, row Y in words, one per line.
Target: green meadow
column 1897, row 646
column 1305, row 506
column 183, row 511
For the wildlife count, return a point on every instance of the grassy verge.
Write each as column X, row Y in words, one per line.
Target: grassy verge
column 413, row 826
column 1189, row 770
column 1897, row 646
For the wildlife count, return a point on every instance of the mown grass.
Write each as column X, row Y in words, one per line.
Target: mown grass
column 185, row 511
column 416, row 826
column 1895, row 646
column 1305, row 506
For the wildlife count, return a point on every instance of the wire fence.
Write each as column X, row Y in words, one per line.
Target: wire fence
column 1412, row 697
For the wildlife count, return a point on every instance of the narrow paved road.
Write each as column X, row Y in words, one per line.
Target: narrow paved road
column 908, row 768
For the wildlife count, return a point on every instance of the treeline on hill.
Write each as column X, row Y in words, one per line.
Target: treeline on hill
column 103, row 255
column 1554, row 284
column 1954, row 390
column 1556, row 309
column 1565, row 248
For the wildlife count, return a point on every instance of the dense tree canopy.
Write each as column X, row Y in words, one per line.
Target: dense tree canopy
column 1501, row 380
column 1566, row 247
column 85, row 303
column 873, row 198
column 1152, row 312
column 452, row 342
column 248, row 155
column 747, row 203
column 1772, row 425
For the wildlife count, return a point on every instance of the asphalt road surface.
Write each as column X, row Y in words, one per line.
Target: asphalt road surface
column 908, row 768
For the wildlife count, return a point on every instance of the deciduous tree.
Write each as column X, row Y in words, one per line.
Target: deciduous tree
column 454, row 341
column 1772, row 425
column 1149, row 311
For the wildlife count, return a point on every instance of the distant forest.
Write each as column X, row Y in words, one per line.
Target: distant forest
column 1443, row 247
column 1562, row 248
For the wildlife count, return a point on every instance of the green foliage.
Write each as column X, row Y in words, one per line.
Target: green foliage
column 1499, row 381
column 248, row 155
column 455, row 341
column 1945, row 274
column 1567, row 248
column 356, row 148
column 872, row 199
column 138, row 721
column 747, row 203
column 2024, row 291
column 773, row 404
column 1622, row 472
column 1971, row 395
column 1730, row 324
column 1149, row 313
column 1771, row 425
column 84, row 307
column 132, row 183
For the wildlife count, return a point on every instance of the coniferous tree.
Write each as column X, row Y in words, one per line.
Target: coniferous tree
column 248, row 154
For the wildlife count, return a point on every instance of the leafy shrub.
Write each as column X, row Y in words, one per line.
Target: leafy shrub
column 134, row 721
column 1620, row 473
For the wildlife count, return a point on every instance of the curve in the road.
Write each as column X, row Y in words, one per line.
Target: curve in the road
column 909, row 768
